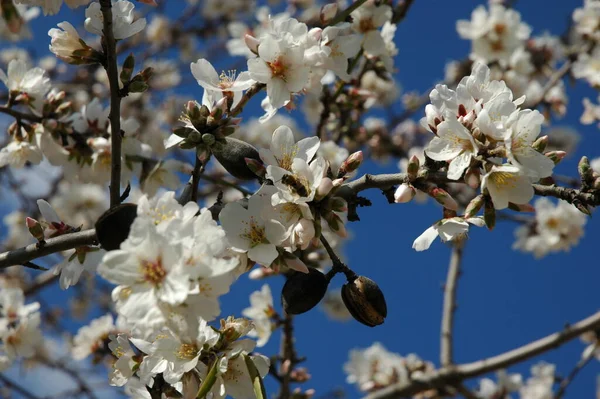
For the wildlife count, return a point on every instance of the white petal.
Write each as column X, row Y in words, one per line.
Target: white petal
column 424, row 241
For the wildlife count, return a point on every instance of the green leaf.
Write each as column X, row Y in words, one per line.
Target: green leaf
column 209, row 381
column 257, row 382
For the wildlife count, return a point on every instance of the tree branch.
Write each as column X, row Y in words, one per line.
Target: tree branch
column 450, row 303
column 17, row 388
column 20, row 115
column 52, row 245
column 115, row 102
column 455, row 374
column 341, row 17
column 581, row 364
column 247, row 96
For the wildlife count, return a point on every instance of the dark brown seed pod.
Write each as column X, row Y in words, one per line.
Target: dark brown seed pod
column 112, row 228
column 303, row 291
column 232, row 155
column 365, row 301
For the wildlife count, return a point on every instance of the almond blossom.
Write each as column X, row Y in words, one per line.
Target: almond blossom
column 284, row 148
column 507, row 184
column 249, row 232
column 260, row 312
column 123, row 24
column 32, row 83
column 449, row 229
column 217, row 86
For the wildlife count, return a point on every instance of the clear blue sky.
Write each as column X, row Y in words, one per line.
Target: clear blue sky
column 505, row 298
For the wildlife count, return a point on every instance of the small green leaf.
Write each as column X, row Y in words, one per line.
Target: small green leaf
column 209, row 381
column 257, row 382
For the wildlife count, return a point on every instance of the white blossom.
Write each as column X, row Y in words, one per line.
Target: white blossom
column 92, row 337
column 507, row 184
column 449, row 229
column 123, row 24
column 260, row 312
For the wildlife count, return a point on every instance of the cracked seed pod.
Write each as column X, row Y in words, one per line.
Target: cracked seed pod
column 112, row 228
column 232, row 155
column 303, row 291
column 365, row 301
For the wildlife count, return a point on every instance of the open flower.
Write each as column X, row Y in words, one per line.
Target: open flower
column 522, row 132
column 280, row 65
column 449, row 229
column 123, row 24
column 248, row 231
column 507, row 184
column 66, row 42
column 33, row 83
column 260, row 311
column 284, row 148
column 453, row 143
column 223, row 85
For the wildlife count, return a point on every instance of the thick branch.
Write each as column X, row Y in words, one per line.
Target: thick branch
column 52, row 245
column 386, row 181
column 455, row 374
column 450, row 303
column 115, row 102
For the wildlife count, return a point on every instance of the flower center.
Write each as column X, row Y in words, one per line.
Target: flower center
column 153, row 272
column 366, row 25
column 226, row 79
column 187, row 351
column 278, row 68
column 254, row 233
column 552, row 223
column 503, row 179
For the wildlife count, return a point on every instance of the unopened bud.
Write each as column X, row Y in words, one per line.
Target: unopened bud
column 252, row 43
column 443, row 198
column 35, row 228
column 338, row 204
column 413, row 167
column 489, row 214
column 127, row 70
column 338, row 182
column 112, row 228
column 540, row 144
column 233, row 156
column 328, row 12
column 303, row 291
column 293, row 262
column 586, row 173
column 351, row 163
column 474, row 206
column 473, row 177
column 336, row 224
column 194, row 136
column 404, row 193
column 257, row 167
column 583, row 209
column 208, row 139
column 324, row 188
column 138, row 86
column 556, row 156
column 365, row 301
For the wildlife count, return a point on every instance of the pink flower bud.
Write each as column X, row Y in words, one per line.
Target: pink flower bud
column 256, row 167
column 556, row 156
column 351, row 164
column 328, row 12
column 473, row 177
column 404, row 193
column 413, row 167
column 295, row 263
column 252, row 43
column 442, row 197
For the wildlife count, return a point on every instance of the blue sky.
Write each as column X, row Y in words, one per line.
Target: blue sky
column 505, row 298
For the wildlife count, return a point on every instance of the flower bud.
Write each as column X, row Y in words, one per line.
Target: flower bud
column 365, row 301
column 443, row 198
column 324, row 188
column 338, row 204
column 35, row 228
column 303, row 291
column 474, row 206
column 540, row 144
column 583, row 209
column 351, row 163
column 489, row 214
column 404, row 193
column 473, row 177
column 335, row 223
column 138, row 86
column 127, row 70
column 252, row 43
column 208, row 139
column 556, row 156
column 112, row 228
column 233, row 157
column 413, row 167
column 328, row 12
column 585, row 171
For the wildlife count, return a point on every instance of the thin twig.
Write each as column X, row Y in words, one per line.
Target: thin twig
column 458, row 373
column 341, row 16
column 199, row 167
column 52, row 245
column 41, row 281
column 288, row 357
column 21, row 115
column 338, row 265
column 564, row 384
column 450, row 303
column 115, row 102
column 17, row 388
column 223, row 182
column 246, row 97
